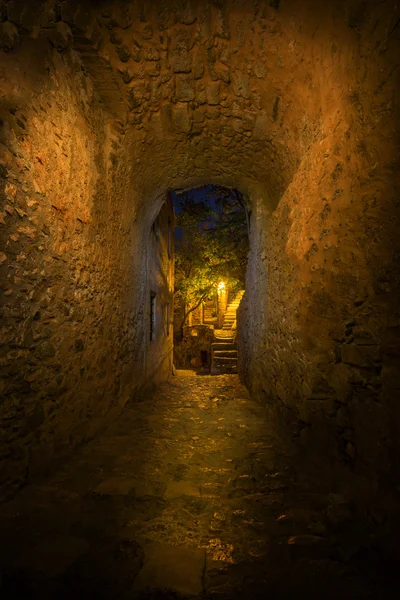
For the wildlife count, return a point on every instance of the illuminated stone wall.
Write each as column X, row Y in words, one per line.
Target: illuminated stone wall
column 294, row 104
column 73, row 263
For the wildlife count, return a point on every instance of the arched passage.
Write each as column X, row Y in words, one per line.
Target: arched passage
column 105, row 109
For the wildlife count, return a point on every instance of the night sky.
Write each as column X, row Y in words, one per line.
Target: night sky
column 200, row 194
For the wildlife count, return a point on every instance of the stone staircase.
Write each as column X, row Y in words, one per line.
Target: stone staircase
column 230, row 313
column 224, row 347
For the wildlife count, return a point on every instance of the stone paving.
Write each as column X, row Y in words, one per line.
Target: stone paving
column 186, row 495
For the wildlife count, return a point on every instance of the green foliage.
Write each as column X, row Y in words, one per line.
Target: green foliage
column 213, row 246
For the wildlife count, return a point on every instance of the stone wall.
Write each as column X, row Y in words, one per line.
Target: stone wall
column 321, row 317
column 69, row 324
column 294, row 104
column 190, row 351
column 160, row 295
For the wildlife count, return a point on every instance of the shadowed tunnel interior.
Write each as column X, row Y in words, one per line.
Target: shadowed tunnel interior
column 105, row 107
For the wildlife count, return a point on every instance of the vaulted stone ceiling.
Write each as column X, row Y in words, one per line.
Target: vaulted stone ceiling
column 234, row 86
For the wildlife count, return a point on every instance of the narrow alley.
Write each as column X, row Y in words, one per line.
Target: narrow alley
column 185, row 495
column 277, row 475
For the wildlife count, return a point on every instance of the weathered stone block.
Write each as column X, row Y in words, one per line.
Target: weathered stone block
column 213, row 91
column 44, row 350
column 241, row 84
column 137, row 94
column 180, row 60
column 215, row 127
column 147, row 32
column 9, row 37
column 135, row 49
column 151, row 53
column 61, row 37
column 237, row 125
column 228, row 130
column 185, row 12
column 184, row 88
column 127, row 74
column 121, row 17
column 260, row 69
column 220, row 23
column 198, row 65
column 198, row 116
column 123, row 53
column 181, row 118
column 163, row 17
column 201, row 96
column 219, row 71
column 115, row 38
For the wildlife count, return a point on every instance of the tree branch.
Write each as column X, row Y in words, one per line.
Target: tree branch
column 187, row 313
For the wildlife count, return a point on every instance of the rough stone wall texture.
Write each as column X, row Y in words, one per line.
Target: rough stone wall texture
column 160, row 284
column 69, row 325
column 295, row 104
column 322, row 350
column 188, row 352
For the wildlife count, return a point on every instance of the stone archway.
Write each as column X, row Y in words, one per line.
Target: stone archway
column 292, row 103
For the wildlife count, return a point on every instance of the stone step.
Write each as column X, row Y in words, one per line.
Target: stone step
column 225, row 353
column 222, row 346
column 227, row 336
column 219, row 361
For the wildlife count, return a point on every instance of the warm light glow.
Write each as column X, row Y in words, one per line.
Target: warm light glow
column 221, row 286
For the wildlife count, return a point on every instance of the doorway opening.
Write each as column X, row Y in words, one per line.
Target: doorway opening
column 211, row 251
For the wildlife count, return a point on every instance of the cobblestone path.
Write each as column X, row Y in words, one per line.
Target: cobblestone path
column 185, row 495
